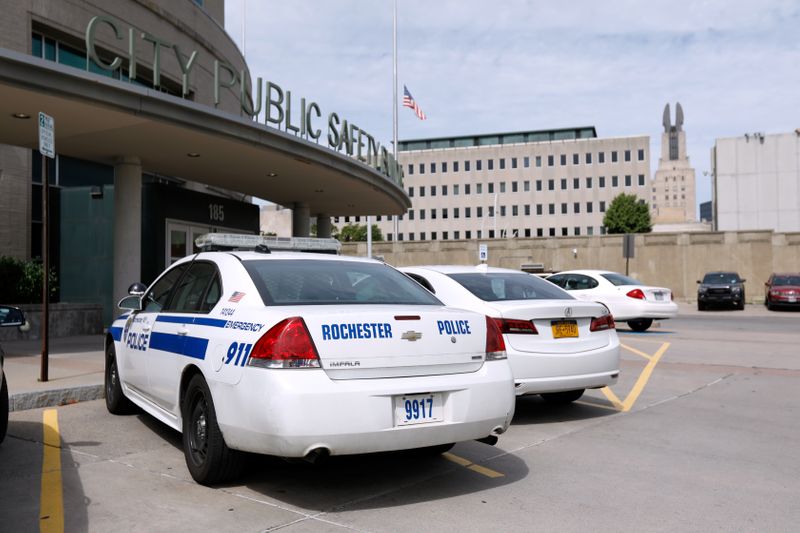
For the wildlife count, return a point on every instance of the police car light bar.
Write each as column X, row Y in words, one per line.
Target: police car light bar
column 235, row 241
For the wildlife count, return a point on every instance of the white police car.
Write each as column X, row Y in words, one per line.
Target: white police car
column 303, row 355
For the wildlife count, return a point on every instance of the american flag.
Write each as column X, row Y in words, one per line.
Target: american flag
column 236, row 296
column 408, row 101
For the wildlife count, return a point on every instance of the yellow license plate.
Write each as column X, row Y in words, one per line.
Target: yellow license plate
column 564, row 328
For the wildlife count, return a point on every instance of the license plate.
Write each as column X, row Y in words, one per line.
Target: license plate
column 791, row 299
column 659, row 295
column 417, row 409
column 564, row 328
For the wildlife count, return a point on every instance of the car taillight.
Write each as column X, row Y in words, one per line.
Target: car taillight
column 602, row 323
column 287, row 344
column 510, row 325
column 636, row 293
column 495, row 346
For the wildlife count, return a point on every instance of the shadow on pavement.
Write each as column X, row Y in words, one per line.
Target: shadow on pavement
column 532, row 409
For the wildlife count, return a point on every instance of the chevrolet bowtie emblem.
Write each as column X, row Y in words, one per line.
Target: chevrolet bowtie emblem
column 411, row 336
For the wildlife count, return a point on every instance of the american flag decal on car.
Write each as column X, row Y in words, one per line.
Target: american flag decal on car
column 236, row 296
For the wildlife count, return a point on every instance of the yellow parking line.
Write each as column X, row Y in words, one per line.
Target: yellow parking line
column 592, row 404
column 615, row 401
column 51, row 516
column 637, row 352
column 643, row 378
column 488, row 472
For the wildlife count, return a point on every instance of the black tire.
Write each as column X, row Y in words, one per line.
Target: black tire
column 770, row 305
column 740, row 306
column 116, row 402
column 640, row 324
column 562, row 397
column 701, row 306
column 3, row 409
column 208, row 458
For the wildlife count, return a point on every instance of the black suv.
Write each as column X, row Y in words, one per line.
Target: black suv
column 720, row 288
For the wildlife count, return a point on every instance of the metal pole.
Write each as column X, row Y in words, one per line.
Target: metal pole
column 45, row 331
column 394, row 98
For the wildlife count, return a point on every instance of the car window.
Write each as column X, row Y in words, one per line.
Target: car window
column 619, row 279
column 582, row 282
column 191, row 289
column 308, row 281
column 494, row 287
column 212, row 295
column 785, row 280
column 157, row 297
column 558, row 279
column 721, row 278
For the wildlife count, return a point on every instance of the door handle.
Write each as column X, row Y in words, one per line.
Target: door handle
column 146, row 327
column 183, row 331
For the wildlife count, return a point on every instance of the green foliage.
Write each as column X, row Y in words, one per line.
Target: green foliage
column 358, row 232
column 627, row 214
column 21, row 281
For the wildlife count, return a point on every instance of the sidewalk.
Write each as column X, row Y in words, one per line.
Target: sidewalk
column 75, row 372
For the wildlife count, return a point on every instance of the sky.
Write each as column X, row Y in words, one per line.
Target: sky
column 482, row 67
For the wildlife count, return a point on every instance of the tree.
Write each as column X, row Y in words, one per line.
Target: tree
column 627, row 214
column 358, row 232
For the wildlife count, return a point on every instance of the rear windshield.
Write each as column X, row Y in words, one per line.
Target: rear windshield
column 314, row 282
column 497, row 287
column 619, row 279
column 721, row 278
column 786, row 280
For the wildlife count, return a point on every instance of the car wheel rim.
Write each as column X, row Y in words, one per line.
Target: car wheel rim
column 112, row 377
column 198, row 431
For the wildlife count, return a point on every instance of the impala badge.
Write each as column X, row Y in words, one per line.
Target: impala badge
column 411, row 336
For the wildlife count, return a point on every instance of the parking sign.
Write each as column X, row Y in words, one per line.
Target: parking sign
column 47, row 138
column 483, row 252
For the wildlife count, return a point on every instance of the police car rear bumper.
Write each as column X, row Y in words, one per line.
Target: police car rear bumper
column 291, row 412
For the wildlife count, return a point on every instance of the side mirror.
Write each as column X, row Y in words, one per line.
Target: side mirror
column 25, row 327
column 743, row 280
column 131, row 303
column 137, row 289
column 11, row 316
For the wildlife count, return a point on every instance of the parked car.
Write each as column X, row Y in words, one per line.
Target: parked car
column 716, row 288
column 303, row 355
column 629, row 300
column 557, row 346
column 10, row 317
column 782, row 290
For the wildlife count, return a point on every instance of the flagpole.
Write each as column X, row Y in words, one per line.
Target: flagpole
column 394, row 99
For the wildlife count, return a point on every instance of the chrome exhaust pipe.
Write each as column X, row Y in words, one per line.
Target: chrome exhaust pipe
column 317, row 456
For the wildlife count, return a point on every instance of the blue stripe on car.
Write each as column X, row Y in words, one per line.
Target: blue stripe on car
column 200, row 321
column 116, row 333
column 189, row 346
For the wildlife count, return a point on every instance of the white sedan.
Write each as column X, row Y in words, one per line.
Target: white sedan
column 557, row 346
column 303, row 355
column 628, row 299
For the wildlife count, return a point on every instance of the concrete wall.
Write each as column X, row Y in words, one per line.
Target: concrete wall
column 673, row 260
column 66, row 320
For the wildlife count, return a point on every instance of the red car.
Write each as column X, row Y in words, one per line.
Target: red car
column 782, row 290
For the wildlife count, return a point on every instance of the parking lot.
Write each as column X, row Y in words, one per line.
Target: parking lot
column 700, row 433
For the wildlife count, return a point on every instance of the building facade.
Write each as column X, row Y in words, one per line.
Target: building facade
column 672, row 199
column 524, row 184
column 757, row 182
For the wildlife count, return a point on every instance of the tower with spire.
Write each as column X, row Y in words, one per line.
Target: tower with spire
column 672, row 198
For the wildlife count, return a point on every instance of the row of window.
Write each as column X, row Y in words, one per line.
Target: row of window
column 527, row 232
column 442, row 166
column 563, row 184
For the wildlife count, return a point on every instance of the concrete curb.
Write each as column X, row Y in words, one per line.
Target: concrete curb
column 49, row 398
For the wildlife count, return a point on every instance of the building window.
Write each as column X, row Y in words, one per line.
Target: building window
column 601, row 182
column 479, row 188
column 614, row 157
column 588, row 158
column 589, row 207
column 640, row 154
column 422, row 168
column 551, row 185
column 527, row 209
column 433, row 190
column 589, row 230
column 399, row 236
column 433, row 235
column 527, row 232
column 410, row 215
column 479, row 212
column 564, row 232
column 455, row 189
column 490, row 211
column 526, row 161
column 411, row 236
column 538, row 185
column 563, row 160
column 576, row 159
column 601, row 157
column 444, row 166
column 551, row 208
column 467, row 212
column 538, row 161
column 490, row 164
column 389, row 236
column 466, row 188
column 641, row 179
column 410, row 168
column 552, row 232
column 478, row 164
column 502, row 186
column 444, row 212
column 411, row 191
column 614, row 181
column 433, row 168
column 602, row 206
column 455, row 212
column 502, row 210
column 468, row 234
column 491, row 188
column 422, row 214
column 514, row 210
column 456, row 235
column 433, row 214
column 551, row 160
column 466, row 166
column 444, row 190
column 422, row 236
column 514, row 186
column 577, row 230
column 589, row 182
column 563, row 184
column 538, row 209
column 491, row 234
column 539, row 232
column 627, row 155
column 627, row 180
column 576, row 207
column 503, row 163
column 576, row 183
column 563, row 208
column 455, row 166
column 422, row 190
